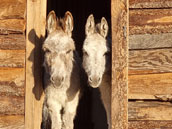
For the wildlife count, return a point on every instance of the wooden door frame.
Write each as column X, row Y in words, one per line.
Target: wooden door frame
column 35, row 33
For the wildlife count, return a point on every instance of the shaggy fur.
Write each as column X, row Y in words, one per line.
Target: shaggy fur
column 62, row 79
column 97, row 60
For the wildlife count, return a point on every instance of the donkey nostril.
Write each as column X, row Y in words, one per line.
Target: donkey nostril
column 62, row 79
column 90, row 79
column 99, row 79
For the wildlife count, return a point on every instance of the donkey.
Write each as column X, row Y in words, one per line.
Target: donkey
column 97, row 60
column 61, row 78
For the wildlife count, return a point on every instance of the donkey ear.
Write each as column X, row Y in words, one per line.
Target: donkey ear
column 68, row 23
column 104, row 27
column 51, row 22
column 90, row 25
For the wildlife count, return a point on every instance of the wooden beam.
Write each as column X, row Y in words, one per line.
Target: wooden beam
column 151, row 110
column 150, row 41
column 150, row 21
column 12, row 81
column 36, row 19
column 150, row 61
column 150, row 124
column 12, row 58
column 11, row 105
column 119, row 108
column 12, row 122
column 148, row 85
column 12, row 26
column 150, row 4
column 12, row 42
column 12, row 9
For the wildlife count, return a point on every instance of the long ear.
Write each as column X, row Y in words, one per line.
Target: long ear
column 104, row 27
column 90, row 25
column 68, row 23
column 51, row 22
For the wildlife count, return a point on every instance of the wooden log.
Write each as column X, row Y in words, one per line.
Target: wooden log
column 150, row 21
column 12, row 122
column 119, row 98
column 150, row 41
column 150, row 124
column 12, row 9
column 12, row 81
column 12, row 42
column 142, row 4
column 35, row 33
column 12, row 58
column 12, row 26
column 149, row 110
column 148, row 85
column 150, row 61
column 11, row 105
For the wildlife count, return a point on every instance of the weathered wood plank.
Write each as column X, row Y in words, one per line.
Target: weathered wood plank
column 149, row 85
column 150, row 4
column 149, row 41
column 150, row 110
column 10, row 26
column 12, row 9
column 150, row 21
column 11, row 105
column 12, row 42
column 35, row 33
column 12, row 81
column 12, row 58
column 150, row 61
column 119, row 98
column 12, row 122
column 150, row 124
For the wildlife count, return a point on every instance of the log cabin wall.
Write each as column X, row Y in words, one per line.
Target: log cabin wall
column 12, row 63
column 150, row 64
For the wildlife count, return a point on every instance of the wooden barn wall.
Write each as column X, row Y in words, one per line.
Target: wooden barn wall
column 150, row 64
column 12, row 63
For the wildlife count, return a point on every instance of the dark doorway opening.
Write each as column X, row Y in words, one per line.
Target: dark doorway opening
column 91, row 113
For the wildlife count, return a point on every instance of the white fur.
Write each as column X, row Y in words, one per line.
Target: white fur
column 62, row 79
column 96, row 62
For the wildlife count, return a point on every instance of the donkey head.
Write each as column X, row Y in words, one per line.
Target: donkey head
column 58, row 48
column 94, row 50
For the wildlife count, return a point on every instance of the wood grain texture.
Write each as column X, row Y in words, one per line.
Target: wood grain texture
column 12, row 122
column 150, row 61
column 35, row 33
column 12, row 9
column 12, row 26
column 12, row 81
column 150, row 124
column 12, row 58
column 148, row 85
column 150, row 41
column 119, row 109
column 150, row 110
column 150, row 21
column 150, row 4
column 11, row 105
column 12, row 42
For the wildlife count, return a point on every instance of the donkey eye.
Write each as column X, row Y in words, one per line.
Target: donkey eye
column 105, row 54
column 68, row 51
column 85, row 53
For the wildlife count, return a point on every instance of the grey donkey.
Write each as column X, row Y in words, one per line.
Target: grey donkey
column 61, row 78
column 97, row 60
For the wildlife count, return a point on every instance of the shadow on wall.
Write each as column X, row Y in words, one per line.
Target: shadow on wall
column 36, row 57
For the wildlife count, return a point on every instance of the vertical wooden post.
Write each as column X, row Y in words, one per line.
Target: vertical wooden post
column 36, row 19
column 119, row 109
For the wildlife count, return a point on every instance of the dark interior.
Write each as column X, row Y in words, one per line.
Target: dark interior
column 91, row 113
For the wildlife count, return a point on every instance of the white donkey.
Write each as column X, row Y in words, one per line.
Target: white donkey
column 62, row 79
column 97, row 60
